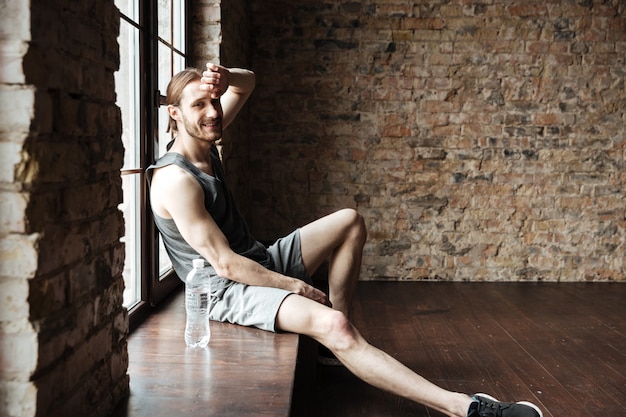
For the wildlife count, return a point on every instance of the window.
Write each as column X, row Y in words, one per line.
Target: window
column 153, row 43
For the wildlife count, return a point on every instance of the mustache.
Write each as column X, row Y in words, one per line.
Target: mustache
column 214, row 120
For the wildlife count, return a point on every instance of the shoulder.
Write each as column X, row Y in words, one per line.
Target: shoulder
column 172, row 177
column 170, row 185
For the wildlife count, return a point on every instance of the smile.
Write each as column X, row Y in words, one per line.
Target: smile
column 211, row 124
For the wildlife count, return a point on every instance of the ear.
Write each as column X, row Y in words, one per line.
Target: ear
column 174, row 112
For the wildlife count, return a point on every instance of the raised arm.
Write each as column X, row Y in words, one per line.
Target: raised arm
column 232, row 85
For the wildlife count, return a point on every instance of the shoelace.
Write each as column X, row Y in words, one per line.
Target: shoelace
column 489, row 408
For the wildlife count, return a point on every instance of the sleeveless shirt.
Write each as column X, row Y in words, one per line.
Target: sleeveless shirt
column 220, row 204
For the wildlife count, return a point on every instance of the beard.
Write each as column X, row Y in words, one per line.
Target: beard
column 203, row 133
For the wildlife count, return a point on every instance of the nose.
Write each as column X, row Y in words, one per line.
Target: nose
column 212, row 110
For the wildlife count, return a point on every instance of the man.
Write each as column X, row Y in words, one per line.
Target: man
column 270, row 288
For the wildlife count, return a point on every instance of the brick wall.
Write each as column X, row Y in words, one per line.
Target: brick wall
column 235, row 51
column 62, row 326
column 481, row 140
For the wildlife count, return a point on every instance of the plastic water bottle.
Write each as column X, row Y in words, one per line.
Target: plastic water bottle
column 197, row 305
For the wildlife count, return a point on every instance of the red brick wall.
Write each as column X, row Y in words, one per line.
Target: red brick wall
column 62, row 325
column 481, row 141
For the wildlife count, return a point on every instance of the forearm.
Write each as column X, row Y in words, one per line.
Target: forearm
column 241, row 81
column 241, row 269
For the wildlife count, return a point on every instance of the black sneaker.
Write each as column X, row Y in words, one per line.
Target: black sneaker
column 486, row 406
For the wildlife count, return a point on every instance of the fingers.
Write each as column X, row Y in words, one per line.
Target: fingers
column 320, row 297
column 214, row 79
column 214, row 73
column 210, row 80
column 312, row 293
column 211, row 67
column 208, row 84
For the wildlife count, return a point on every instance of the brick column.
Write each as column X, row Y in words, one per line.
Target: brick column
column 62, row 326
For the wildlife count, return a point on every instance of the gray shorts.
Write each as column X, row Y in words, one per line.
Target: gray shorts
column 248, row 305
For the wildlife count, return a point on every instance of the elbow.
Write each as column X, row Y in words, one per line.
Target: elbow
column 250, row 81
column 224, row 267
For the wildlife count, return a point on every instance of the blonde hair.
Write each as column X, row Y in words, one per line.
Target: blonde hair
column 175, row 90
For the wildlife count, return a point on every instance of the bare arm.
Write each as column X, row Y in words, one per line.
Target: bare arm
column 201, row 232
column 232, row 85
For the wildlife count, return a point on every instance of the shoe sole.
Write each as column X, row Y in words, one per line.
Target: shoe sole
column 529, row 404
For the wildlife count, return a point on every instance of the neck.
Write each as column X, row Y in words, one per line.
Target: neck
column 196, row 151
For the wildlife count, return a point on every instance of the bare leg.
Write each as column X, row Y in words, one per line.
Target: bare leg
column 339, row 236
column 332, row 329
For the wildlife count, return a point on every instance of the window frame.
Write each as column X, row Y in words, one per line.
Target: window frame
column 160, row 285
column 154, row 287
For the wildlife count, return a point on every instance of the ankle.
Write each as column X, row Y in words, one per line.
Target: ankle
column 462, row 405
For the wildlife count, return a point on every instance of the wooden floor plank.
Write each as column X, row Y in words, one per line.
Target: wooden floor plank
column 513, row 340
column 566, row 349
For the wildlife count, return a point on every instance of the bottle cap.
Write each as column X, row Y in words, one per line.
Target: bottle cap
column 198, row 263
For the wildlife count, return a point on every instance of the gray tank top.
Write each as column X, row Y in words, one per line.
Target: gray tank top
column 220, row 204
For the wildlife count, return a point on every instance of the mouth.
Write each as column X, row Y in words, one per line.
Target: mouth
column 211, row 124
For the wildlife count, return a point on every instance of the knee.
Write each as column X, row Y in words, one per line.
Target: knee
column 340, row 335
column 355, row 224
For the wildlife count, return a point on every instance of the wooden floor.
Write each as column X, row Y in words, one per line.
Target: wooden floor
column 562, row 346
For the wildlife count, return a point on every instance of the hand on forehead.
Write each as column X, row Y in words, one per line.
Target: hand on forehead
column 214, row 80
